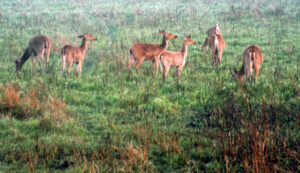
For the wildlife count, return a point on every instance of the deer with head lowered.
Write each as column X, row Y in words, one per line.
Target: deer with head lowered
column 37, row 47
column 146, row 51
column 177, row 59
column 211, row 31
column 252, row 58
column 72, row 54
column 216, row 45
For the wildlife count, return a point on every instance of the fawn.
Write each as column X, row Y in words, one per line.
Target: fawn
column 72, row 54
column 211, row 31
column 252, row 57
column 146, row 51
column 37, row 47
column 216, row 45
column 177, row 59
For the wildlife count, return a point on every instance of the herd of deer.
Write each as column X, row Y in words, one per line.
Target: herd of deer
column 158, row 54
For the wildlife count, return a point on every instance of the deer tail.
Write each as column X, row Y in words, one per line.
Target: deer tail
column 63, row 54
column 217, row 47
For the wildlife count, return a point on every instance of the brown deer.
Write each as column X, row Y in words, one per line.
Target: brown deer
column 72, row 54
column 252, row 57
column 211, row 31
column 177, row 59
column 216, row 45
column 145, row 51
column 37, row 47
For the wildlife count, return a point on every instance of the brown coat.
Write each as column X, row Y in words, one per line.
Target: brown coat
column 216, row 45
column 72, row 54
column 252, row 58
column 37, row 47
column 146, row 51
column 177, row 59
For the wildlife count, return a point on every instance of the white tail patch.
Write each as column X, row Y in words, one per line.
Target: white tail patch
column 216, row 41
column 64, row 59
column 217, row 29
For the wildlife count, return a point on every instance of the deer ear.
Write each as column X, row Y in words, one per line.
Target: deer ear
column 81, row 36
column 189, row 36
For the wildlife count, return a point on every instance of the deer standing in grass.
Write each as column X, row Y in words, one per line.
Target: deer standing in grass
column 72, row 54
column 252, row 58
column 211, row 31
column 177, row 59
column 216, row 45
column 146, row 51
column 37, row 47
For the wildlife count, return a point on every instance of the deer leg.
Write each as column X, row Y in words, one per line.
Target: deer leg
column 166, row 71
column 47, row 55
column 179, row 72
column 138, row 64
column 69, row 66
column 131, row 61
column 250, row 72
column 41, row 64
column 77, row 68
column 219, row 57
column 256, row 68
column 212, row 55
column 80, row 67
column 41, row 56
column 63, row 64
column 33, row 64
column 163, row 68
column 156, row 65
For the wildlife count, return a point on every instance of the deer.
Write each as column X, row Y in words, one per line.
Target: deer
column 252, row 58
column 146, row 51
column 37, row 47
column 216, row 45
column 177, row 59
column 211, row 31
column 75, row 54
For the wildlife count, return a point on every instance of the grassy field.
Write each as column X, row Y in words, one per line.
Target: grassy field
column 113, row 120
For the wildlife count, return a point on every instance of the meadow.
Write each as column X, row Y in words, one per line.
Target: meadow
column 111, row 119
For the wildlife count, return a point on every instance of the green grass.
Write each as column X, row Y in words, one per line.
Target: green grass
column 111, row 119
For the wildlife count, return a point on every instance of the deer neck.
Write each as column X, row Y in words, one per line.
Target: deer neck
column 184, row 49
column 83, row 46
column 24, row 57
column 164, row 44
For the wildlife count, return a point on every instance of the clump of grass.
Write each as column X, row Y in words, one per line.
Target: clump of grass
column 36, row 102
column 251, row 137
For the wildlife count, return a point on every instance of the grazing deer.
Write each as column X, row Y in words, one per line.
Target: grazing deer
column 216, row 45
column 177, row 59
column 145, row 51
column 72, row 54
column 37, row 47
column 211, row 31
column 252, row 57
